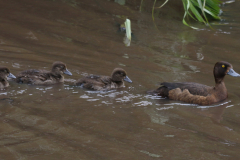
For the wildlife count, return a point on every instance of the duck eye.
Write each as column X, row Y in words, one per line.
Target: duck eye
column 5, row 71
column 223, row 66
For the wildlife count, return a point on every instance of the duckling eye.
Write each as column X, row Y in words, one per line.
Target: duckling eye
column 5, row 71
column 223, row 66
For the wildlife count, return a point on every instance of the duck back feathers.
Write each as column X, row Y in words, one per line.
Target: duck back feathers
column 193, row 88
column 95, row 82
column 40, row 77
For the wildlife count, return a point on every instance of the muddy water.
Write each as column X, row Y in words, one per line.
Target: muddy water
column 67, row 122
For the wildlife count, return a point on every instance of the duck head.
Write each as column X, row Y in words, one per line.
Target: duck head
column 5, row 72
column 221, row 69
column 119, row 74
column 60, row 68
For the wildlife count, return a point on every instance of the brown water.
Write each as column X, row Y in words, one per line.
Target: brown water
column 67, row 122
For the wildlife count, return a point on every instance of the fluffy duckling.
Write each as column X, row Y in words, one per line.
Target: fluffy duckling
column 4, row 73
column 94, row 82
column 41, row 77
column 198, row 93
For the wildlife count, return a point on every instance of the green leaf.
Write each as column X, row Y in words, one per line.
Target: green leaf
column 192, row 7
column 128, row 28
column 197, row 10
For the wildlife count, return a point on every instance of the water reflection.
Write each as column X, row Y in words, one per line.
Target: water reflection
column 124, row 97
column 121, row 2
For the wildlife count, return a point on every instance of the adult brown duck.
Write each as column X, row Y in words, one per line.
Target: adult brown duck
column 95, row 82
column 42, row 77
column 4, row 73
column 198, row 93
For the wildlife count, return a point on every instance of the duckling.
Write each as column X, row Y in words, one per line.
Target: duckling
column 4, row 73
column 42, row 77
column 95, row 82
column 196, row 93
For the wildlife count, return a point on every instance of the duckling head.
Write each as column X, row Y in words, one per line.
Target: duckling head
column 119, row 74
column 60, row 68
column 5, row 72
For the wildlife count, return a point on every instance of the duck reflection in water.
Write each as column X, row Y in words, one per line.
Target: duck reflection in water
column 94, row 82
column 41, row 77
column 198, row 93
column 4, row 74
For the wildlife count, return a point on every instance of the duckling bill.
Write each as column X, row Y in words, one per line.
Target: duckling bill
column 41, row 77
column 95, row 82
column 196, row 93
column 4, row 74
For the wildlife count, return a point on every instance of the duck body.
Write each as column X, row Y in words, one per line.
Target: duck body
column 42, row 77
column 196, row 93
column 34, row 76
column 193, row 88
column 4, row 74
column 95, row 82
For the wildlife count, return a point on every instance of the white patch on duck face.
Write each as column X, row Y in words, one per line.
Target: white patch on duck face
column 228, row 68
column 59, row 68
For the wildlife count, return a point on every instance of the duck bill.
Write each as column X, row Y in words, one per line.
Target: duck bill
column 67, row 72
column 127, row 79
column 11, row 75
column 231, row 72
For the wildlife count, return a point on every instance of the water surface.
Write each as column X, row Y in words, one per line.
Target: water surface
column 67, row 122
